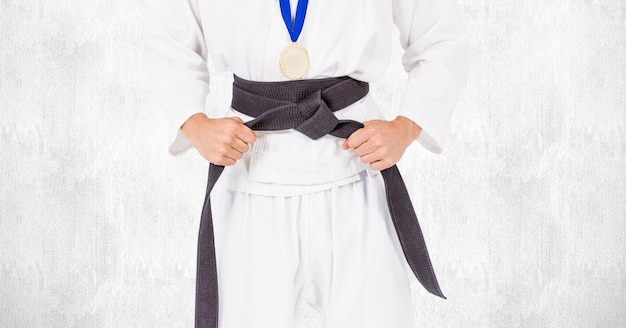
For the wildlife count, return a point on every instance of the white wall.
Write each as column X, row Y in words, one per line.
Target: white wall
column 523, row 212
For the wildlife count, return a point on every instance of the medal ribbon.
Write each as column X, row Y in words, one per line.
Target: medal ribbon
column 294, row 26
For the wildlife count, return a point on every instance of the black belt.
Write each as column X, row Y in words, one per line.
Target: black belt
column 306, row 106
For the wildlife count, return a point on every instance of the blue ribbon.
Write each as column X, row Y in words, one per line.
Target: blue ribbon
column 294, row 26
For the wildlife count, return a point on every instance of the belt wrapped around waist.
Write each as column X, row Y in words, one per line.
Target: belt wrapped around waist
column 306, row 106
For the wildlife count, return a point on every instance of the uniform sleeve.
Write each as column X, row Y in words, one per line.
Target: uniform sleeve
column 176, row 68
column 436, row 57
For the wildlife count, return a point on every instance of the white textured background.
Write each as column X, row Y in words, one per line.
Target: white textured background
column 523, row 213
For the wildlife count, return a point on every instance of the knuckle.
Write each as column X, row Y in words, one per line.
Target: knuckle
column 227, row 161
column 232, row 126
column 211, row 159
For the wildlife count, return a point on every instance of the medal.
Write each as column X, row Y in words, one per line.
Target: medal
column 294, row 59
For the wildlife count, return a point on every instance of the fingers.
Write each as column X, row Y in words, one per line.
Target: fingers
column 357, row 138
column 224, row 141
column 233, row 154
column 225, row 156
column 381, row 165
column 224, row 161
column 374, row 144
column 371, row 158
column 369, row 129
column 239, row 145
column 243, row 132
column 236, row 144
column 367, row 147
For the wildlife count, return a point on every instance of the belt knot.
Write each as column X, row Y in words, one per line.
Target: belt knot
column 317, row 118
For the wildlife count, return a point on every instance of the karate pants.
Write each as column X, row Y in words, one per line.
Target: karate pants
column 335, row 249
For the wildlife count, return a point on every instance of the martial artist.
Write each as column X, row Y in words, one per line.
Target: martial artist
column 303, row 216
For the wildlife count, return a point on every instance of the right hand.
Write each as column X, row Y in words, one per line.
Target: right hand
column 221, row 141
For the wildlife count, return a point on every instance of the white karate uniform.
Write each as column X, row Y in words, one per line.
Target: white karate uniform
column 297, row 217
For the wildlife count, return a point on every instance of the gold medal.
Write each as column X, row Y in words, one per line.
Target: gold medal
column 294, row 61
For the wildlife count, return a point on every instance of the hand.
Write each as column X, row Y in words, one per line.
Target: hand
column 220, row 141
column 381, row 144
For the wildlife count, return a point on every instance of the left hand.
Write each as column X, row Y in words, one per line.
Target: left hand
column 380, row 143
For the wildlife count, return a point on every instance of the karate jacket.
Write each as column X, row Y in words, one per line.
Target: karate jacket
column 343, row 38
